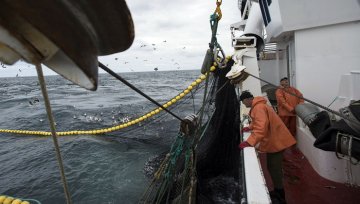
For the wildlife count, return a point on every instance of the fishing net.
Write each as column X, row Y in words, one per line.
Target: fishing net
column 211, row 151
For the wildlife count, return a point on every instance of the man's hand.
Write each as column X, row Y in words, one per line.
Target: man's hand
column 243, row 145
column 293, row 110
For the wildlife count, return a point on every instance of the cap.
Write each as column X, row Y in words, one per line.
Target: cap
column 245, row 95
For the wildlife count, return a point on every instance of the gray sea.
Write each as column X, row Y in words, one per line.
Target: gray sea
column 105, row 168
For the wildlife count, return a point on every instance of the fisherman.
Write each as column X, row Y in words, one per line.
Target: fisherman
column 268, row 135
column 287, row 103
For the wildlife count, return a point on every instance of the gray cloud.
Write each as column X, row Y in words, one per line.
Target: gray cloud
column 183, row 24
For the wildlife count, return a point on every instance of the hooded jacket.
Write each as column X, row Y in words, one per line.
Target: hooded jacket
column 287, row 102
column 269, row 134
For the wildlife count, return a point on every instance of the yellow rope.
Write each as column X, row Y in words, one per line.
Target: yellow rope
column 117, row 127
column 8, row 199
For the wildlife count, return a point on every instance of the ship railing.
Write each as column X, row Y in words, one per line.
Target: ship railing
column 255, row 185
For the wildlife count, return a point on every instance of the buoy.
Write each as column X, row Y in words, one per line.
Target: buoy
column 8, row 200
column 2, row 198
column 16, row 201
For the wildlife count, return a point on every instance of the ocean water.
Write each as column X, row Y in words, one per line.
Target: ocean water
column 99, row 169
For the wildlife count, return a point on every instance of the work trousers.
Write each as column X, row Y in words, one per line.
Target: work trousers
column 274, row 165
column 290, row 122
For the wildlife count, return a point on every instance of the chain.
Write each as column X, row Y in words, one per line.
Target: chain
column 214, row 45
column 218, row 10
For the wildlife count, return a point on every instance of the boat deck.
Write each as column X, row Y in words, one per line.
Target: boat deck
column 304, row 185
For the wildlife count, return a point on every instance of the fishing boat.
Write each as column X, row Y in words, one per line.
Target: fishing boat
column 310, row 43
column 273, row 39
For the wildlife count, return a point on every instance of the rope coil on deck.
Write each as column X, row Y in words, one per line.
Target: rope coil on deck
column 151, row 113
column 4, row 199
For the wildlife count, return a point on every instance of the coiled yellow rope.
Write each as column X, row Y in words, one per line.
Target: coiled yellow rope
column 4, row 199
column 117, row 127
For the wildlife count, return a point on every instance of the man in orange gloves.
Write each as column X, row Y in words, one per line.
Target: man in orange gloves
column 287, row 103
column 268, row 135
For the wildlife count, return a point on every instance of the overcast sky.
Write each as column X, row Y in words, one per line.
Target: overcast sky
column 176, row 35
